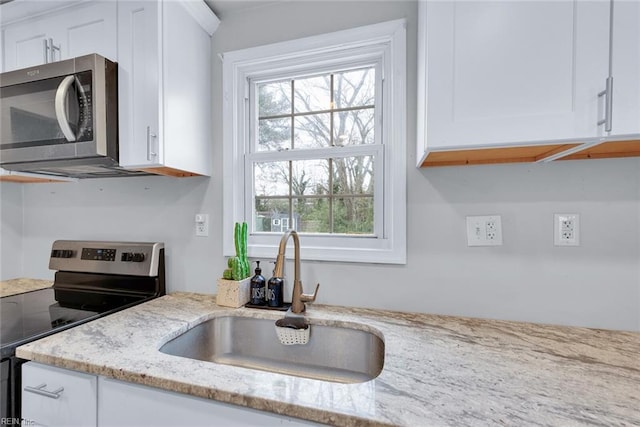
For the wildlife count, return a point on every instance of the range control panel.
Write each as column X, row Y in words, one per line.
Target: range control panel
column 131, row 258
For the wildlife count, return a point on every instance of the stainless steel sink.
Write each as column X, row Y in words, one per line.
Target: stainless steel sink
column 338, row 354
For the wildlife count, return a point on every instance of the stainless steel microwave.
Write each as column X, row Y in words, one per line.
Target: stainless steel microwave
column 61, row 118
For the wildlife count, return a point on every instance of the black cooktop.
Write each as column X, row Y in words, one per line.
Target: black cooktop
column 32, row 314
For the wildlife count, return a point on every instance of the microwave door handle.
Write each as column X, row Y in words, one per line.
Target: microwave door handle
column 61, row 112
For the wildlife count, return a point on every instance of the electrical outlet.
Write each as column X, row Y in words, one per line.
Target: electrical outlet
column 566, row 229
column 202, row 225
column 484, row 230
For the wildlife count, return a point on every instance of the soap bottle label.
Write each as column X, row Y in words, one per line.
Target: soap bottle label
column 274, row 292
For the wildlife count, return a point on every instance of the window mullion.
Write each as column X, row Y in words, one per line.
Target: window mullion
column 331, row 229
column 316, row 153
column 292, row 145
column 333, row 143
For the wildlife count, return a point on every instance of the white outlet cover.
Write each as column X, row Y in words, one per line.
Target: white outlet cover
column 202, row 225
column 566, row 229
column 484, row 230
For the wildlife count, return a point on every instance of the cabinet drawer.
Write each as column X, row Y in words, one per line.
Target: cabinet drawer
column 58, row 397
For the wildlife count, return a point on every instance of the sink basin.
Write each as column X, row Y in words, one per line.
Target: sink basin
column 333, row 353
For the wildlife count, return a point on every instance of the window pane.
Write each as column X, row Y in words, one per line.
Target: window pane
column 271, row 215
column 316, row 195
column 312, row 131
column 353, row 215
column 354, row 88
column 274, row 98
column 353, row 175
column 312, row 94
column 311, row 214
column 353, row 127
column 274, row 134
column 271, row 179
column 310, row 177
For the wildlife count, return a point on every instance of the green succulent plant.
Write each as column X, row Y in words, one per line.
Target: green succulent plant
column 238, row 266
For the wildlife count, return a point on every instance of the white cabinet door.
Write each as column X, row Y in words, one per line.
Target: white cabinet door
column 58, row 397
column 508, row 73
column 164, row 57
column 24, row 44
column 626, row 69
column 123, row 404
column 74, row 31
column 139, row 83
column 89, row 28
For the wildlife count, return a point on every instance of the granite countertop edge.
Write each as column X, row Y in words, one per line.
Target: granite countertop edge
column 432, row 363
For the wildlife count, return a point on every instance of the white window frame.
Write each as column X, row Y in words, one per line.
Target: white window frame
column 385, row 42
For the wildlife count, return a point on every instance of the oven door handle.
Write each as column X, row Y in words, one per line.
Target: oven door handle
column 61, row 112
column 42, row 392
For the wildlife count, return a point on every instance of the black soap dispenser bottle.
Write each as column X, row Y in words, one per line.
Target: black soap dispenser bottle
column 275, row 288
column 258, row 284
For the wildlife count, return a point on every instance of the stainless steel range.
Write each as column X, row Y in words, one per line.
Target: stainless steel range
column 92, row 279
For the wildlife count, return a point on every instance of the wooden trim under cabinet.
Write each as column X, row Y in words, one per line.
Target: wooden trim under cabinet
column 27, row 179
column 483, row 156
column 166, row 171
column 607, row 150
column 494, row 155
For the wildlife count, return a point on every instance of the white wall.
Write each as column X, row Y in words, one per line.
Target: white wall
column 596, row 284
column 10, row 230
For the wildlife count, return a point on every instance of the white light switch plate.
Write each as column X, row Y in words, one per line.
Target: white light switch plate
column 484, row 230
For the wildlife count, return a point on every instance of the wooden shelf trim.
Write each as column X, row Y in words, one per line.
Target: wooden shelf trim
column 611, row 149
column 494, row 155
column 27, row 179
column 166, row 171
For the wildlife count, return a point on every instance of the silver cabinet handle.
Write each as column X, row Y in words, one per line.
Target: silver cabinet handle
column 45, row 50
column 608, row 105
column 61, row 113
column 608, row 91
column 150, row 135
column 53, row 49
column 40, row 390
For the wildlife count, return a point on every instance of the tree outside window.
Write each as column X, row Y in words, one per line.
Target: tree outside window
column 328, row 193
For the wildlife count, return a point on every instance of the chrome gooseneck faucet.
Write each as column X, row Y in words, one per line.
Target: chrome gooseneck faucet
column 298, row 298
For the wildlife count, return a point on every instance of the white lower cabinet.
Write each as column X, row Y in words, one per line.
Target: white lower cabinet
column 58, row 397
column 61, row 397
column 125, row 404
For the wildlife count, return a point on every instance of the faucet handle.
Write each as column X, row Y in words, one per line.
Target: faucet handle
column 310, row 297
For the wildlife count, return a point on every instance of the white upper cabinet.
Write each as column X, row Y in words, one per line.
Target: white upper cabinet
column 512, row 74
column 165, row 86
column 509, row 72
column 139, row 82
column 163, row 50
column 625, row 61
column 92, row 29
column 24, row 45
column 72, row 31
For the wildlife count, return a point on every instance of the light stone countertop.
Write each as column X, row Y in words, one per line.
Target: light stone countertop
column 22, row 285
column 438, row 371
